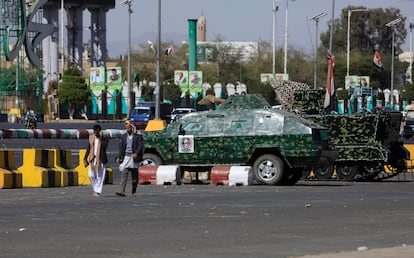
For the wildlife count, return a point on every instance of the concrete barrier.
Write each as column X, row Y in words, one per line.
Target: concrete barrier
column 63, row 164
column 83, row 178
column 9, row 176
column 231, row 175
column 37, row 169
column 159, row 175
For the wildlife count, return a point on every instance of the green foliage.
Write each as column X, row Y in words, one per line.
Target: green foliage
column 171, row 92
column 73, row 88
column 147, row 92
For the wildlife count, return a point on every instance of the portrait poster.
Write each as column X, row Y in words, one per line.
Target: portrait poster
column 97, row 78
column 114, row 78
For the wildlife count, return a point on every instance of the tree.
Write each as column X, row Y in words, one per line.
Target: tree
column 73, row 90
column 367, row 30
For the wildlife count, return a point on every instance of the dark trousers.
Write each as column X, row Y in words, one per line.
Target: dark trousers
column 134, row 176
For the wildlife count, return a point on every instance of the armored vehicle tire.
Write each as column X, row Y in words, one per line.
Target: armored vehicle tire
column 345, row 172
column 268, row 169
column 150, row 159
column 324, row 172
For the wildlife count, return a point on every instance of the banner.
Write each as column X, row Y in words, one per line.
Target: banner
column 97, row 78
column 114, row 78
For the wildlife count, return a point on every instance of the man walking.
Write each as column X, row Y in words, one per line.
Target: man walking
column 131, row 148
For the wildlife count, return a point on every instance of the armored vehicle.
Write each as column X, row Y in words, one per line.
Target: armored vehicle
column 369, row 144
column 278, row 145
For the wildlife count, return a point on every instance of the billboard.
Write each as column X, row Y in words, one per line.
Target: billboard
column 353, row 81
column 97, row 78
column 189, row 81
column 114, row 78
column 266, row 77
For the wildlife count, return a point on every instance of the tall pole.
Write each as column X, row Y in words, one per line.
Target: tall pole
column 315, row 68
column 157, row 90
column 130, row 101
column 286, row 38
column 274, row 9
column 62, row 47
column 392, row 26
column 348, row 47
column 411, row 51
column 17, row 80
column 348, row 41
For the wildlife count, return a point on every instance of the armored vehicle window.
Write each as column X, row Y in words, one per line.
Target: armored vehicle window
column 265, row 123
column 193, row 128
column 214, row 126
column 410, row 114
column 295, row 126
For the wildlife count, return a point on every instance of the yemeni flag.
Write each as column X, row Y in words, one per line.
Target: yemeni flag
column 330, row 89
column 169, row 50
column 378, row 61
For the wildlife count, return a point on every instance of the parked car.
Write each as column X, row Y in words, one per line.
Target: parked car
column 177, row 112
column 278, row 145
column 409, row 124
column 145, row 111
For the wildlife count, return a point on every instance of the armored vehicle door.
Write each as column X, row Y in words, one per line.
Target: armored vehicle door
column 199, row 140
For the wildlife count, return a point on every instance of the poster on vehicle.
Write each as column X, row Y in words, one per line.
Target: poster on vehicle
column 186, row 144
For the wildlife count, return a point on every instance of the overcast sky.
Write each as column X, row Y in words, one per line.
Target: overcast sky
column 234, row 20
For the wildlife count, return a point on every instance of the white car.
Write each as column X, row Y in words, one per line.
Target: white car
column 177, row 112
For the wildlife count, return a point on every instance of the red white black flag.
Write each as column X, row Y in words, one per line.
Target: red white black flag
column 377, row 60
column 169, row 50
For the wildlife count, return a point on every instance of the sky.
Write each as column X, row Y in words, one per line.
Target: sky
column 234, row 20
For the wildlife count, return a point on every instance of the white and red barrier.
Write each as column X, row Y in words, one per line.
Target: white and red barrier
column 159, row 175
column 231, row 175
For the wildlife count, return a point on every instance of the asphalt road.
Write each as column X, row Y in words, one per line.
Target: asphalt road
column 206, row 221
column 310, row 218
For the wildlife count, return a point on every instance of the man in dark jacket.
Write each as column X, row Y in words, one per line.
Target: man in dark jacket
column 131, row 148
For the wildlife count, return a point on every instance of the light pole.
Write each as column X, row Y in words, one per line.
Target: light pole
column 392, row 24
column 129, row 3
column 274, row 10
column 286, row 37
column 62, row 47
column 411, row 51
column 315, row 73
column 157, row 90
column 348, row 45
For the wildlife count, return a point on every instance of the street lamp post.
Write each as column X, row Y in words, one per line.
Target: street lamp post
column 157, row 90
column 411, row 51
column 129, row 3
column 286, row 37
column 348, row 45
column 392, row 24
column 274, row 10
column 315, row 72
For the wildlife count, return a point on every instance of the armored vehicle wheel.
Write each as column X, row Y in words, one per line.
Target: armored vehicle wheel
column 324, row 172
column 346, row 172
column 150, row 159
column 370, row 171
column 268, row 169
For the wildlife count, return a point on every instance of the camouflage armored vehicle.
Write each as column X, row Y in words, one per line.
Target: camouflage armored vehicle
column 368, row 143
column 277, row 145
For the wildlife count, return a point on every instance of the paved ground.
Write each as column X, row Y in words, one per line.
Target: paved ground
column 311, row 218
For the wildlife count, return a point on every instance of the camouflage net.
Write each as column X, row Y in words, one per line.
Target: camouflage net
column 285, row 91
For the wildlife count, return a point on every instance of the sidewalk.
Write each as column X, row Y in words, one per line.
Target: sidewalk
column 392, row 252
